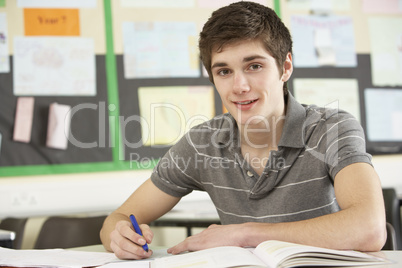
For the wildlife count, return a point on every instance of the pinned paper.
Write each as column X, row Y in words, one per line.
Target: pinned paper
column 51, row 22
column 58, row 126
column 217, row 4
column 23, row 119
column 386, row 50
column 160, row 49
column 320, row 39
column 54, row 66
column 330, row 93
column 319, row 5
column 385, row 7
column 169, row 112
column 4, row 55
column 56, row 4
column 324, row 47
column 383, row 114
column 157, row 3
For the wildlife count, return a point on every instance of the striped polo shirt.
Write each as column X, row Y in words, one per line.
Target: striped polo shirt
column 297, row 182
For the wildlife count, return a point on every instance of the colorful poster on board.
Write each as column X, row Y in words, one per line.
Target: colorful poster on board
column 56, row 21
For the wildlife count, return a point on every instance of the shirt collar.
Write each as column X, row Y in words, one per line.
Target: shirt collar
column 293, row 129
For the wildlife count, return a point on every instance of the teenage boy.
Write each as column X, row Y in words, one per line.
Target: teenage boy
column 275, row 169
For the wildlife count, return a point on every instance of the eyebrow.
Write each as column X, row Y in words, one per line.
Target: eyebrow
column 246, row 59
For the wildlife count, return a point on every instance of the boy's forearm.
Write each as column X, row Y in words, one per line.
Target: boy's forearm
column 344, row 230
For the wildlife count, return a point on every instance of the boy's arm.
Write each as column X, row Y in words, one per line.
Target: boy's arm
column 147, row 203
column 360, row 225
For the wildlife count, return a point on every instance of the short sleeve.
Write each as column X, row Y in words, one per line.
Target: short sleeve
column 176, row 173
column 344, row 143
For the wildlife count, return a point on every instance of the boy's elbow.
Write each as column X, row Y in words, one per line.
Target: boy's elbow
column 375, row 237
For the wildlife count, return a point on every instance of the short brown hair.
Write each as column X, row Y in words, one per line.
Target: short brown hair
column 245, row 21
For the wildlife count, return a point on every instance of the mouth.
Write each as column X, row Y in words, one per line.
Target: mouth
column 245, row 105
column 244, row 102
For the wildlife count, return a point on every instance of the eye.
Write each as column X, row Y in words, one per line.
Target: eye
column 255, row 67
column 223, row 72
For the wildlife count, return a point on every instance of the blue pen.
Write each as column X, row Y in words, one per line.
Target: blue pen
column 137, row 230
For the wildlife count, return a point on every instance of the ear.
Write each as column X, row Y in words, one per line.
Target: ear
column 287, row 68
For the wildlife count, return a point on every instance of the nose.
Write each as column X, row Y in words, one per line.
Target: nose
column 240, row 84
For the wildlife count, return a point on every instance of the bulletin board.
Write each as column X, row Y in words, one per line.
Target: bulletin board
column 106, row 126
column 110, row 125
column 361, row 43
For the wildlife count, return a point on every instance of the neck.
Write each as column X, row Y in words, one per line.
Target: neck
column 264, row 135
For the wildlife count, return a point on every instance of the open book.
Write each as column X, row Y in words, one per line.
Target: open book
column 273, row 254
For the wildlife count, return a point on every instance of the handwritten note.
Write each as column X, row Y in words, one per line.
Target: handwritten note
column 160, row 49
column 4, row 56
column 54, row 66
column 51, row 22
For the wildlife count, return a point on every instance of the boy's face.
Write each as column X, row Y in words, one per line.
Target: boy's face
column 249, row 82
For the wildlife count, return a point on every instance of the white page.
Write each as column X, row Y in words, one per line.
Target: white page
column 324, row 47
column 275, row 252
column 386, row 50
column 160, row 49
column 383, row 114
column 127, row 264
column 54, row 258
column 319, row 5
column 215, row 4
column 158, row 253
column 23, row 119
column 304, row 29
column 332, row 93
column 169, row 112
column 58, row 126
column 57, row 3
column 213, row 257
column 4, row 55
column 54, row 66
column 158, row 3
